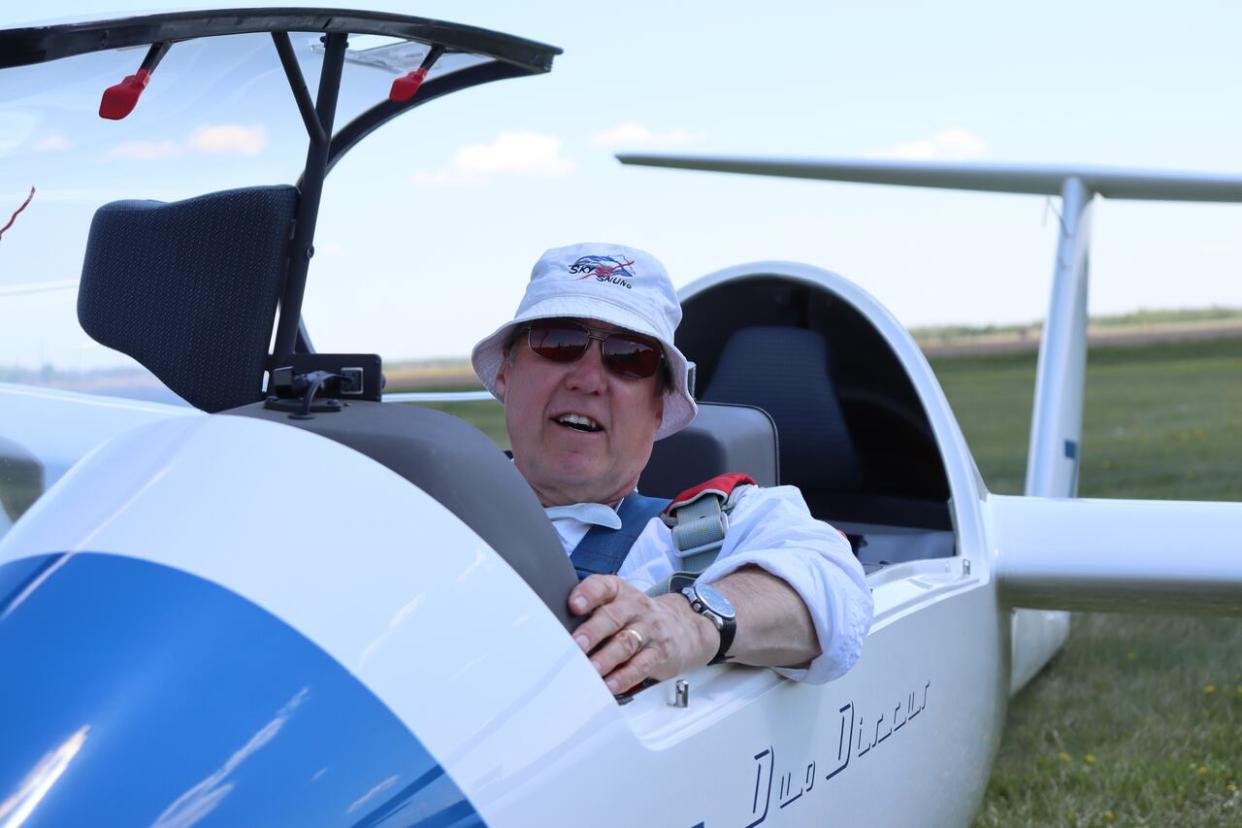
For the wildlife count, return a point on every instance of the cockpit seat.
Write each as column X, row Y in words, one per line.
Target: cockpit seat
column 787, row 372
column 189, row 288
column 722, row 438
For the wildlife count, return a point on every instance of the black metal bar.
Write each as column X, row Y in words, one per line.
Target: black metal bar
column 297, row 83
column 155, row 54
column 433, row 54
column 375, row 117
column 301, row 249
column 304, row 344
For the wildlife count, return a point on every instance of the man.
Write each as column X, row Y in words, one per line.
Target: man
column 590, row 379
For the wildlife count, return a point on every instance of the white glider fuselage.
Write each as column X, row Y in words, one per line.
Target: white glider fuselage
column 436, row 625
column 432, row 621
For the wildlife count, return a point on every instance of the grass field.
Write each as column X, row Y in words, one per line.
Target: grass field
column 1138, row 721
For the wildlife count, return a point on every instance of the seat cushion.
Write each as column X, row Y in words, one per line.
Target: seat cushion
column 722, row 438
column 787, row 372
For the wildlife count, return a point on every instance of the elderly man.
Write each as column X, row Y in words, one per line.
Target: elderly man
column 590, row 379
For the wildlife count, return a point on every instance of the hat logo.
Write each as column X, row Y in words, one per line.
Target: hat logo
column 604, row 269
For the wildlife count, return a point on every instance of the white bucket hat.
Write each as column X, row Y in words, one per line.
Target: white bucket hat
column 609, row 283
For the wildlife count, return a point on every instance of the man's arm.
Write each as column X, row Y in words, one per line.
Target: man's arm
column 777, row 630
column 774, row 628
column 799, row 594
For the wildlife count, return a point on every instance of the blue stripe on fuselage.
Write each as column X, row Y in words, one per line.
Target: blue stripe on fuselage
column 137, row 694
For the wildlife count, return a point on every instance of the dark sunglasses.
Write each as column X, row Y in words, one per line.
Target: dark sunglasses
column 625, row 354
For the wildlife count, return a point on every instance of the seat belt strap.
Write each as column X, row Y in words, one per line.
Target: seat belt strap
column 699, row 519
column 698, row 532
column 602, row 550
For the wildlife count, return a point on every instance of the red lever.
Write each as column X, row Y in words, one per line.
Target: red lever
column 406, row 86
column 120, row 100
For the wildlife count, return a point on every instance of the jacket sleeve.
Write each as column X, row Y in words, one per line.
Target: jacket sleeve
column 772, row 528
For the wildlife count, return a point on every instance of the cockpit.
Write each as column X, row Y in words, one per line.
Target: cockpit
column 204, row 286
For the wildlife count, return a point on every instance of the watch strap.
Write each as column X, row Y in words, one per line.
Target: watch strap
column 728, row 629
column 727, row 626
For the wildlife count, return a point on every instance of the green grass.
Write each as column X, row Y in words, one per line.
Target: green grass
column 1128, row 691
column 1160, row 422
column 488, row 416
column 1120, row 724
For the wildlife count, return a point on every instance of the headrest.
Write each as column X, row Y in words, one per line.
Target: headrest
column 190, row 288
column 720, row 439
column 787, row 372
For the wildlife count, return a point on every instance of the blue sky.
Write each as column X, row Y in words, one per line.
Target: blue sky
column 430, row 227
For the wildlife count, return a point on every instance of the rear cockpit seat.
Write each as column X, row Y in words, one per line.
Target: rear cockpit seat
column 788, row 373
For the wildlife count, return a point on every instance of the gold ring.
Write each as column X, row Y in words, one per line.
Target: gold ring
column 637, row 636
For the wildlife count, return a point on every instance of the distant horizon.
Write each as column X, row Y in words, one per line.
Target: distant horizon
column 1138, row 328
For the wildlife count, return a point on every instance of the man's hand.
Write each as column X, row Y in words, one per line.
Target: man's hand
column 631, row 636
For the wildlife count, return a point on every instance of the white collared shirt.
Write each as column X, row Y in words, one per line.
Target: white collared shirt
column 771, row 528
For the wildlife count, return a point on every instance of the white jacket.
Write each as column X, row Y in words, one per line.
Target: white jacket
column 770, row 528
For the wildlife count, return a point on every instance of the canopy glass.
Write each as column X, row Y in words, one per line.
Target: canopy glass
column 217, row 113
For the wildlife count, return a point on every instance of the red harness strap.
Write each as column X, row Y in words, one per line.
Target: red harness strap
column 722, row 485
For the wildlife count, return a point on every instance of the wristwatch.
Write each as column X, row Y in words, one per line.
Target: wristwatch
column 708, row 602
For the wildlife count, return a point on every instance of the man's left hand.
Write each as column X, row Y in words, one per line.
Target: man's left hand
column 631, row 636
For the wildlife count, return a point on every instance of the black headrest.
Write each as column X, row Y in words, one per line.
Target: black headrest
column 787, row 372
column 720, row 439
column 189, row 289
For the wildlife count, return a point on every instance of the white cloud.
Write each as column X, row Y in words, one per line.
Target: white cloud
column 215, row 139
column 954, row 144
column 146, row 150
column 631, row 134
column 514, row 153
column 53, row 143
column 510, row 153
column 232, row 139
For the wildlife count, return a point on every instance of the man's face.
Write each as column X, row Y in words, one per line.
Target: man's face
column 563, row 462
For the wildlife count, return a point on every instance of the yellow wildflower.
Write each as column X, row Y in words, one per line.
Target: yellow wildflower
column 1232, row 788
column 1202, row 769
column 1209, row 688
column 1089, row 759
column 1108, row 816
column 1064, row 757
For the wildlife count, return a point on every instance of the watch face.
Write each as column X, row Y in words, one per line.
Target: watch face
column 714, row 600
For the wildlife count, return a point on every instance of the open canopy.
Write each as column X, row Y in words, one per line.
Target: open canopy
column 36, row 44
column 226, row 82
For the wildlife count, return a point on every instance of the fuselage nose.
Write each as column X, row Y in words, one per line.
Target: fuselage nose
column 139, row 694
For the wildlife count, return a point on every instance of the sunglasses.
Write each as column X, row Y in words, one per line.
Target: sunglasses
column 625, row 354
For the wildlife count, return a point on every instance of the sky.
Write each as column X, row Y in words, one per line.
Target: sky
column 429, row 228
